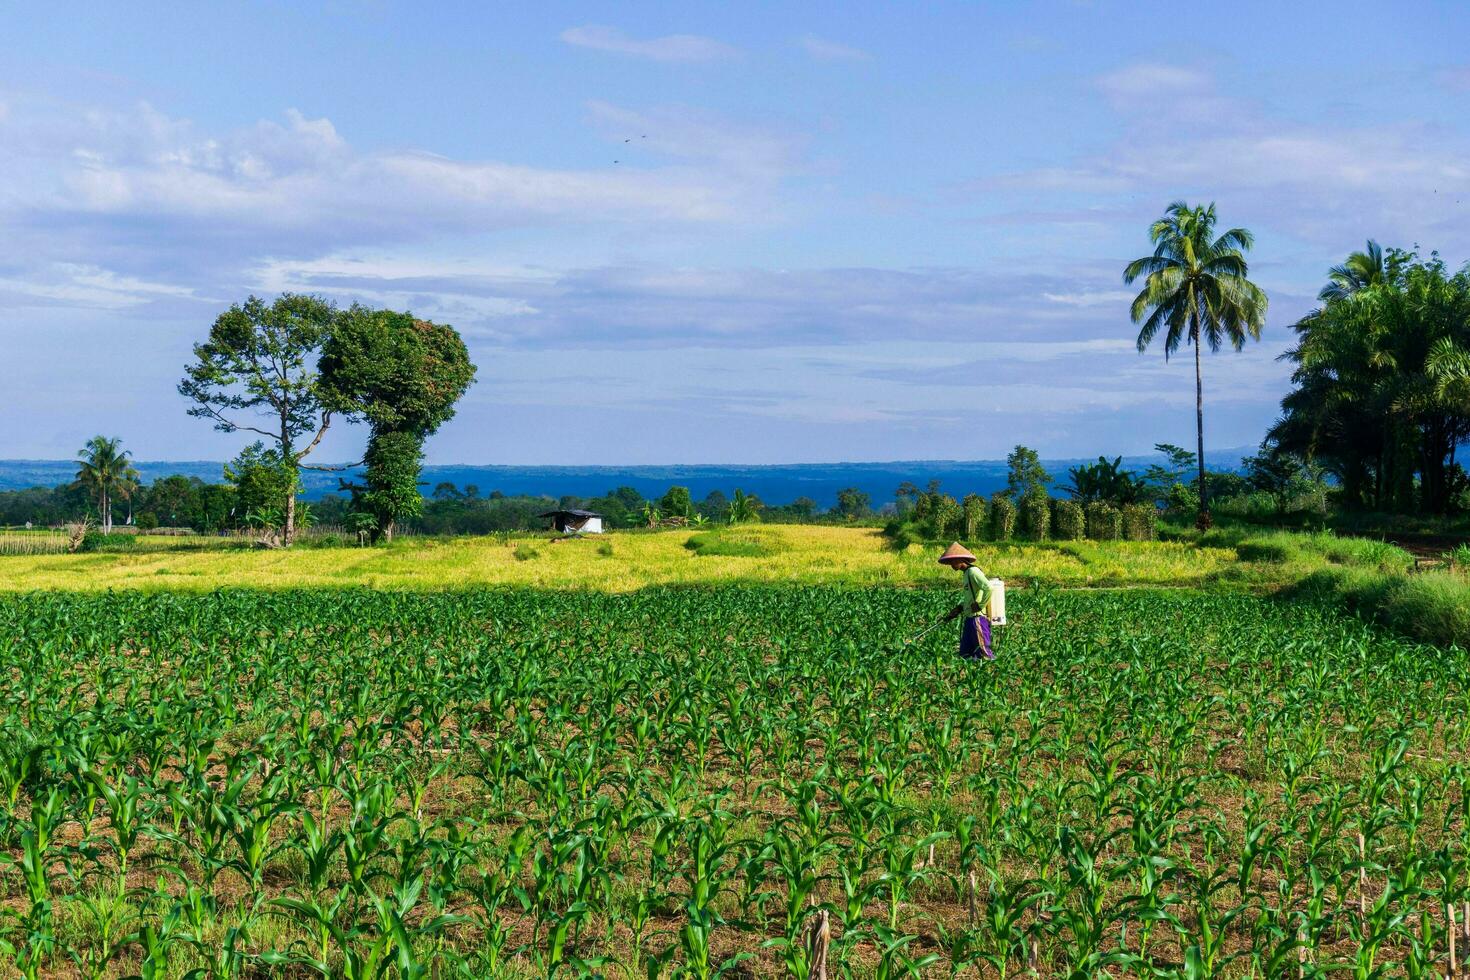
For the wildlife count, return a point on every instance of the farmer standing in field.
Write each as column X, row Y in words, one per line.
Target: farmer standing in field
column 975, row 631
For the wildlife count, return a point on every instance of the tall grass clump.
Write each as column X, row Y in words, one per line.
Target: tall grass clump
column 1433, row 607
column 1104, row 523
column 1068, row 522
column 732, row 544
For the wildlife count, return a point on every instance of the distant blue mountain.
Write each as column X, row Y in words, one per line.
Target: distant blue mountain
column 778, row 484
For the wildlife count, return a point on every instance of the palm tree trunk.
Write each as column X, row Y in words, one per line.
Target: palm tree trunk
column 1203, row 520
column 288, row 532
column 106, row 515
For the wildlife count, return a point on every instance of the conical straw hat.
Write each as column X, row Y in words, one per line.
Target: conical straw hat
column 955, row 552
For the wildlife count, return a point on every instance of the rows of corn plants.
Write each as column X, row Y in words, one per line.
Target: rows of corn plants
column 723, row 782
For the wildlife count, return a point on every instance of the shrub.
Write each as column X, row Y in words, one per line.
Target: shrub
column 1104, row 523
column 974, row 512
column 732, row 544
column 605, row 549
column 1002, row 518
column 946, row 516
column 1139, row 522
column 1036, row 516
column 97, row 541
column 1068, row 524
column 525, row 552
column 146, row 521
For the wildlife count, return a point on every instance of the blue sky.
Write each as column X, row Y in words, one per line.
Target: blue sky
column 697, row 233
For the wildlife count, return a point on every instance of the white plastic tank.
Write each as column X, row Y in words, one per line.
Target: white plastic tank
column 995, row 609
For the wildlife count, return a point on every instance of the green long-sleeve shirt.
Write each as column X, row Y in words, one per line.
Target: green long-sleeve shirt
column 977, row 591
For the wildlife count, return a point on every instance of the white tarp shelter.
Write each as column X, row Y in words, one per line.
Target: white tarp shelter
column 574, row 521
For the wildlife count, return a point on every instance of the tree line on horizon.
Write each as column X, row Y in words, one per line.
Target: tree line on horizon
column 1379, row 405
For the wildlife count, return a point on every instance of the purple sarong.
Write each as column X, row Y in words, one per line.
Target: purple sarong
column 975, row 639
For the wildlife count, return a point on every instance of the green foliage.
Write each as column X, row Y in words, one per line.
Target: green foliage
column 102, row 541
column 106, row 472
column 946, row 517
column 1106, row 481
column 974, row 514
column 732, row 544
column 853, row 503
column 1139, row 522
column 1178, row 465
column 1024, row 474
column 525, row 552
column 1196, row 290
column 1068, row 523
column 744, row 509
column 260, row 479
column 393, row 460
column 676, row 503
column 1182, row 499
column 1104, row 522
column 1035, row 516
column 1382, row 391
column 1002, row 517
column 258, row 364
column 394, row 372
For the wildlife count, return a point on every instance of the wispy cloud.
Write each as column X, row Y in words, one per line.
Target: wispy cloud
column 1456, row 78
column 669, row 48
column 83, row 183
column 824, row 50
column 1313, row 181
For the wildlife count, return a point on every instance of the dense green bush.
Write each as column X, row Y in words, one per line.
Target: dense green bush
column 732, row 544
column 97, row 541
column 1104, row 523
column 1068, row 523
column 1002, row 518
column 1139, row 521
column 1036, row 516
column 946, row 518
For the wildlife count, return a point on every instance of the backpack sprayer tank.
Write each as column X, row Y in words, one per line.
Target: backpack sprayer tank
column 995, row 609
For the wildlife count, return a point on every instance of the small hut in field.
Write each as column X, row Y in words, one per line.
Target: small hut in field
column 574, row 521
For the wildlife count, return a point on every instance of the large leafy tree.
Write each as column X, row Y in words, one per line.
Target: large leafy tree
column 257, row 373
column 402, row 376
column 1196, row 291
column 1382, row 381
column 106, row 472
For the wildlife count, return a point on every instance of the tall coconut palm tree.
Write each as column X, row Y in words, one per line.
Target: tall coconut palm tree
column 1195, row 289
column 1361, row 271
column 107, row 472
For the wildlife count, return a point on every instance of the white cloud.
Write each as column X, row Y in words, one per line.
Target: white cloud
column 87, row 287
column 670, row 48
column 825, row 50
column 1456, row 79
column 1105, row 297
column 1399, row 182
column 757, row 151
column 84, row 182
column 1148, row 83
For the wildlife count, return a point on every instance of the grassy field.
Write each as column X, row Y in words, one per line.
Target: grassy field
column 791, row 554
column 689, row 782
